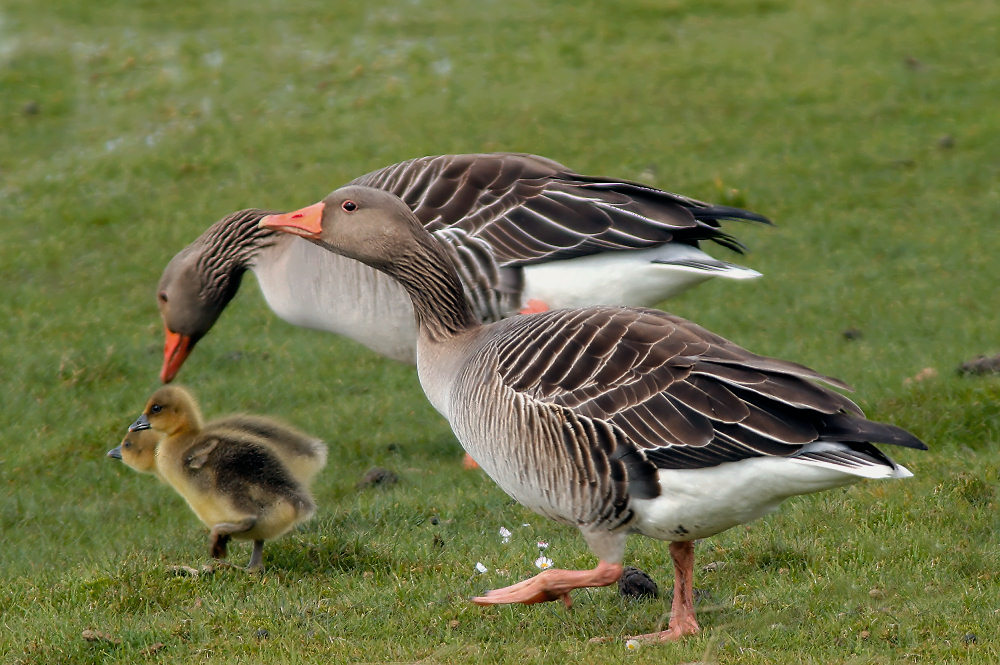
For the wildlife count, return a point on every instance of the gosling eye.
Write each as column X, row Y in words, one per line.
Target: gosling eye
column 162, row 295
column 156, row 408
column 349, row 206
column 127, row 444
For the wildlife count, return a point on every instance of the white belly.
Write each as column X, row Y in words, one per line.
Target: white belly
column 697, row 503
column 311, row 287
column 631, row 278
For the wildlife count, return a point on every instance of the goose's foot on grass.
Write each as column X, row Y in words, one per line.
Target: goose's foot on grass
column 682, row 618
column 552, row 584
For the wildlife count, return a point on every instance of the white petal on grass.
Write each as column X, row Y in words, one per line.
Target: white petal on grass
column 480, row 568
column 505, row 534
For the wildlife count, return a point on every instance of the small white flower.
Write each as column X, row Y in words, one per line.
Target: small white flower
column 542, row 545
column 480, row 568
column 525, row 524
column 543, row 562
column 632, row 645
column 505, row 534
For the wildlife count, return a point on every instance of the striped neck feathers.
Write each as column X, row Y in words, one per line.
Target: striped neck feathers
column 230, row 246
column 426, row 273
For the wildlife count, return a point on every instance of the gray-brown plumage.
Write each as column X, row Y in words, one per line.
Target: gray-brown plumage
column 245, row 477
column 616, row 420
column 523, row 232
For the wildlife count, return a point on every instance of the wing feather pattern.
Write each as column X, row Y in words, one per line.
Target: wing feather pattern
column 530, row 209
column 683, row 397
column 486, row 286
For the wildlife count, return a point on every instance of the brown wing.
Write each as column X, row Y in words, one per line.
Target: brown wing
column 687, row 397
column 532, row 209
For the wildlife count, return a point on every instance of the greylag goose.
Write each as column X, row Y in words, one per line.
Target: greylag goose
column 244, row 476
column 525, row 233
column 615, row 420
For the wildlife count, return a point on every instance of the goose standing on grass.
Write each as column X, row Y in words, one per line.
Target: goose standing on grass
column 615, row 420
column 244, row 476
column 525, row 232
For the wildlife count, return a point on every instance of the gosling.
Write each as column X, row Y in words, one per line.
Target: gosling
column 245, row 477
column 138, row 450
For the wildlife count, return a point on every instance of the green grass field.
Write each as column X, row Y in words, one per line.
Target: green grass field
column 868, row 131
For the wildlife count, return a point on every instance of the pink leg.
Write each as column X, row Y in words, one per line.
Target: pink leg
column 534, row 306
column 552, row 584
column 682, row 621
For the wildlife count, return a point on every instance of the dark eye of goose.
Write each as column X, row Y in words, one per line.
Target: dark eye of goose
column 156, row 408
column 349, row 206
column 163, row 296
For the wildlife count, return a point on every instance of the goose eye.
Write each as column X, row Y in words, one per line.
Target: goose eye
column 349, row 206
column 162, row 295
column 156, row 408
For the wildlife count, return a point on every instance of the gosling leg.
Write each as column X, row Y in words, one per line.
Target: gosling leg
column 256, row 564
column 221, row 533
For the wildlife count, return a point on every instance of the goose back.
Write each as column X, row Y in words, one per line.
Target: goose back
column 530, row 208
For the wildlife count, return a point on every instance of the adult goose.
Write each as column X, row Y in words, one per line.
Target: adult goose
column 616, row 420
column 524, row 232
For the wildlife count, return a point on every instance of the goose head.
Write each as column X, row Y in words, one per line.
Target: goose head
column 170, row 410
column 375, row 227
column 190, row 299
column 369, row 225
column 138, row 450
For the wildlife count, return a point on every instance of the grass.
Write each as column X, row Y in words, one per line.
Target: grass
column 869, row 132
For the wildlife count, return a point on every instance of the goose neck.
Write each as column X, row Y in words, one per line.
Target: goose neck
column 440, row 305
column 237, row 239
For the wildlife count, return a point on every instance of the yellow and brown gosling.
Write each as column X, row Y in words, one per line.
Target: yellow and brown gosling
column 138, row 450
column 244, row 476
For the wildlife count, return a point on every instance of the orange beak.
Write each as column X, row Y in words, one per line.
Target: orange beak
column 175, row 351
column 307, row 222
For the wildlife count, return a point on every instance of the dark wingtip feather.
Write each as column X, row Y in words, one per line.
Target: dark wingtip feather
column 730, row 213
column 892, row 435
column 843, row 427
column 729, row 242
column 901, row 437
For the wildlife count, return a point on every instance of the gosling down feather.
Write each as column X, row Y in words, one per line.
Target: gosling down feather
column 615, row 420
column 245, row 477
column 524, row 233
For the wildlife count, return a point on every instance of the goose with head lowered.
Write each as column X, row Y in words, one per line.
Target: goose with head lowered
column 524, row 232
column 615, row 420
column 244, row 476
